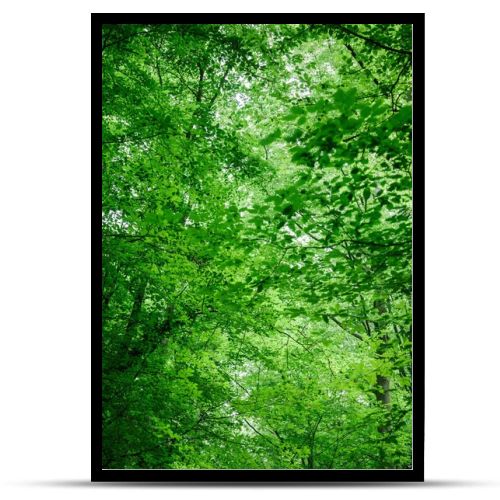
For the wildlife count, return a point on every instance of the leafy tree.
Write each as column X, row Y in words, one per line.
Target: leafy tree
column 257, row 245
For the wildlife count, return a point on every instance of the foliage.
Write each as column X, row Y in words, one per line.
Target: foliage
column 257, row 239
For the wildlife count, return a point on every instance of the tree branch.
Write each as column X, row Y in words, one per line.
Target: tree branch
column 373, row 42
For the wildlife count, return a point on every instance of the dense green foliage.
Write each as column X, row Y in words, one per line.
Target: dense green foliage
column 257, row 244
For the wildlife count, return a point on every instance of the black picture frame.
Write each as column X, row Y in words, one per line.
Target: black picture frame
column 255, row 476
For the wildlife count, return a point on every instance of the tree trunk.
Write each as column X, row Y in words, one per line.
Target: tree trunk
column 124, row 358
column 136, row 307
column 383, row 389
column 384, row 392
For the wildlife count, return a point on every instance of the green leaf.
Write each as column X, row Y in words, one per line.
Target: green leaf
column 271, row 138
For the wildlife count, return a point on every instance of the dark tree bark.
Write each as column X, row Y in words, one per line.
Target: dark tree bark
column 136, row 307
column 383, row 389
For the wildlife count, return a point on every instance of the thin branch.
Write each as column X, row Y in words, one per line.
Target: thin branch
column 374, row 42
column 335, row 320
column 221, row 84
column 256, row 431
column 361, row 64
column 294, row 339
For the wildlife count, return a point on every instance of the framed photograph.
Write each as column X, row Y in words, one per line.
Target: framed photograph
column 258, row 229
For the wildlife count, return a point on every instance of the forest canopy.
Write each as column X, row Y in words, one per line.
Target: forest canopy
column 257, row 246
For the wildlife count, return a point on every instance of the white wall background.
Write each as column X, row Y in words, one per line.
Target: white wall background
column 45, row 249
